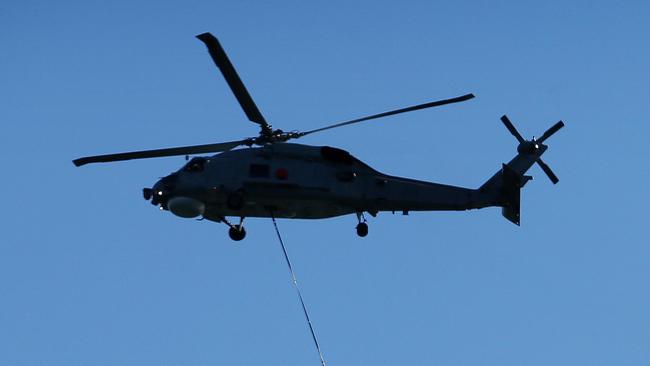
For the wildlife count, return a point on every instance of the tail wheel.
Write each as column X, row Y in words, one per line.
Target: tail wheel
column 362, row 229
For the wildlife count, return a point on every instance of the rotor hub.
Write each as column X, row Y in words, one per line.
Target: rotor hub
column 528, row 147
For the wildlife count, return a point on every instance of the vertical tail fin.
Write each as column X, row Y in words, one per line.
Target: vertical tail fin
column 511, row 184
column 504, row 190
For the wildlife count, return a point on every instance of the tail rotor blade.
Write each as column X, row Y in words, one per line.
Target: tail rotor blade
column 556, row 127
column 548, row 171
column 511, row 128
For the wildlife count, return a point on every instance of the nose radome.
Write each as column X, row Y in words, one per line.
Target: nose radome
column 158, row 193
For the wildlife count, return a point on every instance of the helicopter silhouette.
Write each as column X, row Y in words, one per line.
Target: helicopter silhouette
column 278, row 179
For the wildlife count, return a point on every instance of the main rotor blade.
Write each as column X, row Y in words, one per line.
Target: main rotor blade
column 548, row 171
column 551, row 131
column 236, row 85
column 391, row 113
column 184, row 150
column 511, row 128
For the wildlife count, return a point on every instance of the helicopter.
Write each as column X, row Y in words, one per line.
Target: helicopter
column 278, row 179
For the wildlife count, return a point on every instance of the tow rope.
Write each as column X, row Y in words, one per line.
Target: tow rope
column 295, row 285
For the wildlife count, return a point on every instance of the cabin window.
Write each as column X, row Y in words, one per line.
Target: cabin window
column 195, row 165
column 259, row 171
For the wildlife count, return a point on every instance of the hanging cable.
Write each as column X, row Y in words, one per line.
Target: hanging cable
column 295, row 285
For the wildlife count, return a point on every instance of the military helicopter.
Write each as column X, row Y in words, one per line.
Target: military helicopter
column 274, row 178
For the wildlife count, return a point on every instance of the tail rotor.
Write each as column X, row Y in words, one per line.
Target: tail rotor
column 533, row 145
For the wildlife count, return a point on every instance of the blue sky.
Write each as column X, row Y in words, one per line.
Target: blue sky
column 90, row 274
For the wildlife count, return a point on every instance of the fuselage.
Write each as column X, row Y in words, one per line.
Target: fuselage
column 297, row 181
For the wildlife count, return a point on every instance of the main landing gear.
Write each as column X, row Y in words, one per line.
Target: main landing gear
column 236, row 232
column 362, row 227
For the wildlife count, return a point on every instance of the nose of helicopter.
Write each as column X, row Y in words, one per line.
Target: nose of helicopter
column 166, row 194
column 160, row 192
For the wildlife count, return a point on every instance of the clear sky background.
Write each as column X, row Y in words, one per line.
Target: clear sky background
column 91, row 274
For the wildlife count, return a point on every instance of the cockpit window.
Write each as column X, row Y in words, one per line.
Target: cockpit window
column 195, row 165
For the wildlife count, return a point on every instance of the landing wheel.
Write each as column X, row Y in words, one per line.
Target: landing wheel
column 362, row 229
column 237, row 233
column 235, row 201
